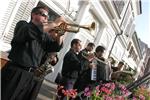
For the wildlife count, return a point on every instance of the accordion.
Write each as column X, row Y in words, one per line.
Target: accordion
column 101, row 72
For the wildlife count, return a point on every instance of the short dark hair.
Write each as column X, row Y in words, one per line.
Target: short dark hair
column 91, row 44
column 37, row 9
column 100, row 49
column 121, row 62
column 75, row 41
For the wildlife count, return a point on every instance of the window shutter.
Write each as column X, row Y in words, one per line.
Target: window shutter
column 6, row 17
column 23, row 13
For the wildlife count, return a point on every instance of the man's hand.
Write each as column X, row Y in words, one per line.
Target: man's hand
column 49, row 26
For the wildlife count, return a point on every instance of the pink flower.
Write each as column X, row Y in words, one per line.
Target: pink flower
column 113, row 86
column 107, row 91
column 87, row 92
column 108, row 85
column 105, row 97
column 134, row 98
column 70, row 93
column 119, row 98
column 97, row 93
column 97, row 90
column 97, row 87
column 141, row 97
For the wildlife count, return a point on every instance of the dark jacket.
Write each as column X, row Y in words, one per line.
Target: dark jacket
column 31, row 45
column 71, row 65
column 115, row 69
column 84, row 62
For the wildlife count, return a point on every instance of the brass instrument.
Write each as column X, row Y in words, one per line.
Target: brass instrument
column 67, row 27
column 47, row 67
column 75, row 27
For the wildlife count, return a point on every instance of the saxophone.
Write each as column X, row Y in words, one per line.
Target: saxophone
column 48, row 66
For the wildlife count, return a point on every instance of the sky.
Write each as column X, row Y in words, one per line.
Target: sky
column 143, row 23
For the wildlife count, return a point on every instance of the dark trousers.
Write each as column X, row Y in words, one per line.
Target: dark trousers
column 19, row 84
column 83, row 81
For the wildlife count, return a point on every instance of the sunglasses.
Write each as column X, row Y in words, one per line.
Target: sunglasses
column 43, row 14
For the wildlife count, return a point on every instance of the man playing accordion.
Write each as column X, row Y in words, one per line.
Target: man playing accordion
column 97, row 65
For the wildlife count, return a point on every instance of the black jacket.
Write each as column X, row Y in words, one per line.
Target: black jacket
column 30, row 44
column 71, row 65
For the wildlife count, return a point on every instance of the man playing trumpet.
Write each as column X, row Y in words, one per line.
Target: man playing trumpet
column 29, row 45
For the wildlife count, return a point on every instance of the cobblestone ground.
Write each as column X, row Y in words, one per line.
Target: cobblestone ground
column 47, row 91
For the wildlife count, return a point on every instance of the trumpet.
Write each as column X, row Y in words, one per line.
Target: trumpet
column 67, row 27
column 75, row 27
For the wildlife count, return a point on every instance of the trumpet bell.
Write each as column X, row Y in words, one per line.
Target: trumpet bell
column 77, row 27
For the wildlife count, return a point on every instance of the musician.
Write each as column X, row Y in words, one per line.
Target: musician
column 112, row 61
column 85, row 77
column 115, row 75
column 119, row 67
column 71, row 64
column 88, row 49
column 85, row 55
column 30, row 43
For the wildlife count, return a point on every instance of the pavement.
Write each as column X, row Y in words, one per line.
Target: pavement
column 47, row 91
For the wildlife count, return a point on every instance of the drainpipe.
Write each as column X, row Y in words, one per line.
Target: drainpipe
column 114, row 43
column 120, row 29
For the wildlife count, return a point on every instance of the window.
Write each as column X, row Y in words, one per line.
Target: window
column 129, row 46
column 131, row 52
column 128, row 27
column 119, row 5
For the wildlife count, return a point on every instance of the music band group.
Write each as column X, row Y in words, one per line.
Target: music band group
column 34, row 47
column 82, row 68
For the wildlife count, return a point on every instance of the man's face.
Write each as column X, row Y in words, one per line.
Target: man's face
column 120, row 66
column 99, row 54
column 40, row 17
column 77, row 47
column 90, row 48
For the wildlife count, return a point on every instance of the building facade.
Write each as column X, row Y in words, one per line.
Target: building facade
column 134, row 54
column 114, row 23
column 145, row 62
